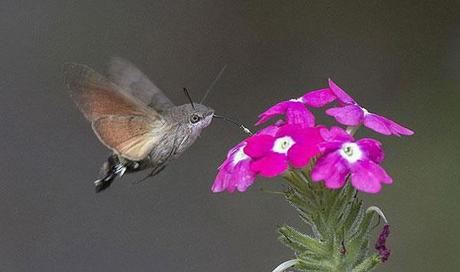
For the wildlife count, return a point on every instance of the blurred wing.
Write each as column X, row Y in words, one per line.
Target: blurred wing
column 132, row 80
column 97, row 97
column 121, row 122
column 132, row 137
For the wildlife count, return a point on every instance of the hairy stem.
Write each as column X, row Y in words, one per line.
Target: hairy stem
column 340, row 227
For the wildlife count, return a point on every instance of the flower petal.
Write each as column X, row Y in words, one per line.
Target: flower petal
column 319, row 98
column 366, row 176
column 225, row 179
column 311, row 136
column 351, row 115
column 332, row 138
column 341, row 94
column 327, row 147
column 258, row 145
column 221, row 182
column 271, row 165
column 297, row 113
column 391, row 127
column 300, row 154
column 276, row 109
column 338, row 177
column 235, row 149
column 270, row 130
column 335, row 134
column 397, row 129
column 325, row 166
column 376, row 123
column 372, row 148
column 243, row 175
column 240, row 177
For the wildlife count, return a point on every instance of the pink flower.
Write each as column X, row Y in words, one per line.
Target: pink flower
column 318, row 98
column 235, row 173
column 295, row 109
column 352, row 114
column 291, row 145
column 343, row 157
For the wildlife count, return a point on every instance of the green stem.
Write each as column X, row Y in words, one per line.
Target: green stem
column 352, row 130
column 340, row 225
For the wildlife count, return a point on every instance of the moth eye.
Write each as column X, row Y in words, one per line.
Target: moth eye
column 194, row 118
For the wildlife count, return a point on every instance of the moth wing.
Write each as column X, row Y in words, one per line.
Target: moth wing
column 97, row 97
column 132, row 137
column 132, row 80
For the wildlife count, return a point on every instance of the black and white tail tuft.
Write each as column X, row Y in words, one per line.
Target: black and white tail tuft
column 112, row 169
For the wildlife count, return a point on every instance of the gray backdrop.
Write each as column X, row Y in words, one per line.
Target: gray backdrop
column 398, row 58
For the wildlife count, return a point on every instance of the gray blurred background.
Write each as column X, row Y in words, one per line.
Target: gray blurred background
column 397, row 58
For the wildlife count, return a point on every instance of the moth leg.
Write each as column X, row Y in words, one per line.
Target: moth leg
column 154, row 172
column 161, row 165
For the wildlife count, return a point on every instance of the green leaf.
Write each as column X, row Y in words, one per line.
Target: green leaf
column 302, row 241
column 368, row 264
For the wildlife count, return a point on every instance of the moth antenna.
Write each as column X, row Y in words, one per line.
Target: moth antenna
column 241, row 126
column 212, row 84
column 189, row 97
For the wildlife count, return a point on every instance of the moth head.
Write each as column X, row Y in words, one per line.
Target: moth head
column 199, row 116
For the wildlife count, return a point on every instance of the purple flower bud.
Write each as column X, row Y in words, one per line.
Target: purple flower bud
column 384, row 252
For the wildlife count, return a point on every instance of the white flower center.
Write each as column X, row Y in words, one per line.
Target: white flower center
column 366, row 112
column 283, row 144
column 300, row 99
column 239, row 156
column 351, row 152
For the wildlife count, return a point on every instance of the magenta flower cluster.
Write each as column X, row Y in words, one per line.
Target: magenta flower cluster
column 295, row 139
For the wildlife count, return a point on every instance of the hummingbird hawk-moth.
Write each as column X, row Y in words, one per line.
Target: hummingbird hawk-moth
column 132, row 117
